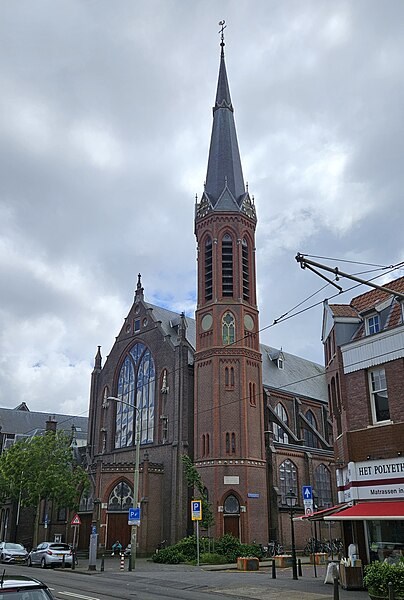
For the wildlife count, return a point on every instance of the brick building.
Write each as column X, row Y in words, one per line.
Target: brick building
column 17, row 522
column 198, row 388
column 364, row 354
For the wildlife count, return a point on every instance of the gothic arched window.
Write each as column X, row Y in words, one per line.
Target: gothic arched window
column 322, row 477
column 136, row 385
column 246, row 270
column 228, row 329
column 208, row 270
column 287, row 479
column 86, row 501
column 231, row 505
column 121, row 497
column 280, row 434
column 310, row 438
column 227, row 265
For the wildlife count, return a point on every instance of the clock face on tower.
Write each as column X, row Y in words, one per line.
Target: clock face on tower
column 207, row 322
column 248, row 322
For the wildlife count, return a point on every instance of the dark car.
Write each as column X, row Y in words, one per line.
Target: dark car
column 23, row 588
column 50, row 554
column 12, row 553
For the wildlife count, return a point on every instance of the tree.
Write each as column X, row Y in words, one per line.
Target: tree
column 194, row 481
column 41, row 468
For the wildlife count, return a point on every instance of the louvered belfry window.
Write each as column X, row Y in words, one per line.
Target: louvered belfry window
column 246, row 270
column 208, row 270
column 227, row 265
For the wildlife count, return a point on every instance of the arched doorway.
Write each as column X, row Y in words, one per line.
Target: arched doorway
column 119, row 502
column 231, row 516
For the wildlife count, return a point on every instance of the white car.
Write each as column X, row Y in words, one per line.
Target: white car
column 50, row 554
column 12, row 553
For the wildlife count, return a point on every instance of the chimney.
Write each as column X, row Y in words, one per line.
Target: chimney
column 51, row 423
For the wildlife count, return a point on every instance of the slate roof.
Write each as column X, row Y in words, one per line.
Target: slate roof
column 170, row 321
column 25, row 422
column 224, row 163
column 299, row 376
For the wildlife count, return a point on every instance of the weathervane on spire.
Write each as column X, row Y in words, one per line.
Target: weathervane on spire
column 222, row 28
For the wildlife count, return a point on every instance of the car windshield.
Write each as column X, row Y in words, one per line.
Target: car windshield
column 24, row 595
column 10, row 546
column 59, row 546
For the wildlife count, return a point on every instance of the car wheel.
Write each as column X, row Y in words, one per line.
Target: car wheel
column 43, row 564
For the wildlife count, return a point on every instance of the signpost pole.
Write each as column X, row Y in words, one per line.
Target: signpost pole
column 197, row 543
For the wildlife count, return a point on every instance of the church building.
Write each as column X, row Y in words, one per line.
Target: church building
column 196, row 387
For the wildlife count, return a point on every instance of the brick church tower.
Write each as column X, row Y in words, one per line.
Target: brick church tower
column 229, row 424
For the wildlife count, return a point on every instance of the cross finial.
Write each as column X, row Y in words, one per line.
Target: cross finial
column 222, row 28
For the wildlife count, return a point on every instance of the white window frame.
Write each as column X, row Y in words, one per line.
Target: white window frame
column 373, row 391
column 371, row 327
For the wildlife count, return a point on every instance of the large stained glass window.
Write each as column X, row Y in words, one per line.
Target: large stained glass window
column 136, row 385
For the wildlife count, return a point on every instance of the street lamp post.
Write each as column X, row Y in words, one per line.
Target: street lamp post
column 133, row 536
column 291, row 500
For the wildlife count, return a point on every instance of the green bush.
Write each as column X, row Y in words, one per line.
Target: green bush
column 170, row 556
column 187, row 547
column 228, row 546
column 212, row 558
column 379, row 575
column 251, row 550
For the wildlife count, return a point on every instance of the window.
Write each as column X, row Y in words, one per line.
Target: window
column 227, row 443
column 373, row 324
column 378, row 395
column 137, row 325
column 229, row 377
column 121, row 497
column 246, row 270
column 227, row 265
column 208, row 270
column 228, row 329
column 86, row 501
column 136, row 385
column 322, row 477
column 310, row 438
column 233, row 443
column 231, row 505
column 280, row 434
column 287, row 479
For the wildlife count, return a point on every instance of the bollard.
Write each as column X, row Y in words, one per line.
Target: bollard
column 122, row 567
column 102, row 562
column 336, row 589
column 273, row 569
column 130, row 562
column 73, row 560
column 63, row 561
column 391, row 591
column 299, row 567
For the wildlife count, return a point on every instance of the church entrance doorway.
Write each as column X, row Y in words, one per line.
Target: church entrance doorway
column 118, row 529
column 231, row 516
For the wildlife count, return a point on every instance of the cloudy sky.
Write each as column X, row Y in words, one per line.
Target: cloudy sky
column 105, row 119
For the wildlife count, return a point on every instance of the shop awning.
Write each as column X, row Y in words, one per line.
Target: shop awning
column 370, row 511
column 319, row 515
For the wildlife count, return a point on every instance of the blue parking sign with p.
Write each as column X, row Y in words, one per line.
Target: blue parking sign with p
column 196, row 510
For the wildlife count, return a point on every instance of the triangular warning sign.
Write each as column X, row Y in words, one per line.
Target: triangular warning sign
column 76, row 520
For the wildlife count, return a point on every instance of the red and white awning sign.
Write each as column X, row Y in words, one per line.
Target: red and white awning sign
column 370, row 511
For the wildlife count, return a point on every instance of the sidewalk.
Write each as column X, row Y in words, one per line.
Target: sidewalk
column 225, row 579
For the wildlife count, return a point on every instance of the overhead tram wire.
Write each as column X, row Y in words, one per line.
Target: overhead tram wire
column 345, row 260
column 286, row 316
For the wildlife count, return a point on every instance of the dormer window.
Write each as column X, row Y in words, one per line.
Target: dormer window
column 280, row 361
column 373, row 324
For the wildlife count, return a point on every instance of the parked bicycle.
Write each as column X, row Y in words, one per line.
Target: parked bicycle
column 273, row 548
column 161, row 545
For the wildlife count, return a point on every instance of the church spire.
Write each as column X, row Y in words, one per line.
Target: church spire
column 224, row 165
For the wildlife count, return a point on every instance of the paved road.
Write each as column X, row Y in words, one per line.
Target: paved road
column 151, row 581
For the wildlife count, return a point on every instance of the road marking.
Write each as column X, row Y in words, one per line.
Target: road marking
column 73, row 595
